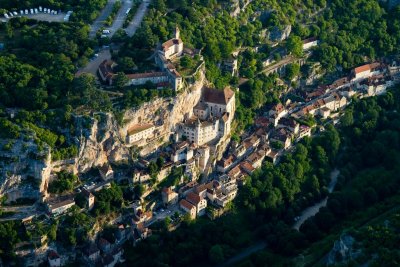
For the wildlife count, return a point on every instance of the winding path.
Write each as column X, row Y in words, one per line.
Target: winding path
column 311, row 211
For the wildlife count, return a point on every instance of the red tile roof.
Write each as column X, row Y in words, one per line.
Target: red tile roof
column 247, row 166
column 362, row 68
column 166, row 45
column 193, row 198
column 186, row 204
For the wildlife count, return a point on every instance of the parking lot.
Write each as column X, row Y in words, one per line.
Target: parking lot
column 44, row 17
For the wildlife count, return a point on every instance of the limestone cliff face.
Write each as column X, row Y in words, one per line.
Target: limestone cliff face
column 100, row 143
column 24, row 169
column 102, row 140
column 99, row 138
column 165, row 113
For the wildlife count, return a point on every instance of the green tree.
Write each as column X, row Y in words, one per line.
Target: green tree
column 120, row 80
column 292, row 71
column 294, row 46
column 216, row 254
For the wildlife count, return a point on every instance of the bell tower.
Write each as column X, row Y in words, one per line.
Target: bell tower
column 177, row 32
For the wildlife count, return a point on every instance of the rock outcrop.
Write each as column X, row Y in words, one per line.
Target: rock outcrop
column 99, row 144
column 99, row 138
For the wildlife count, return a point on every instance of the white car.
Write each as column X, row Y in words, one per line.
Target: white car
column 15, row 13
column 40, row 9
column 26, row 12
column 6, row 16
column 45, row 10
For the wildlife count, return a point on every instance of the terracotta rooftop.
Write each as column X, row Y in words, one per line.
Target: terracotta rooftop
column 168, row 44
column 254, row 157
column 218, row 96
column 247, row 166
column 225, row 162
column 234, row 172
column 105, row 68
column 367, row 67
column 186, row 204
column 193, row 198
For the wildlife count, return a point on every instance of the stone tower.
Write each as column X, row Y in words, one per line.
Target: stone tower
column 177, row 33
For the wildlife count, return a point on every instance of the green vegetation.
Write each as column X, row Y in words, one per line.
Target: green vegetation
column 355, row 29
column 74, row 228
column 373, row 151
column 135, row 97
column 11, row 233
column 173, row 178
column 8, row 129
column 65, row 182
column 108, row 200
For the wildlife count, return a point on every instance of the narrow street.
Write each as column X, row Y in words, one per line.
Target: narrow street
column 138, row 18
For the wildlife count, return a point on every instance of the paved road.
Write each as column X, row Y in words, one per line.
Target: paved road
column 120, row 17
column 93, row 65
column 311, row 211
column 99, row 22
column 244, row 254
column 138, row 18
